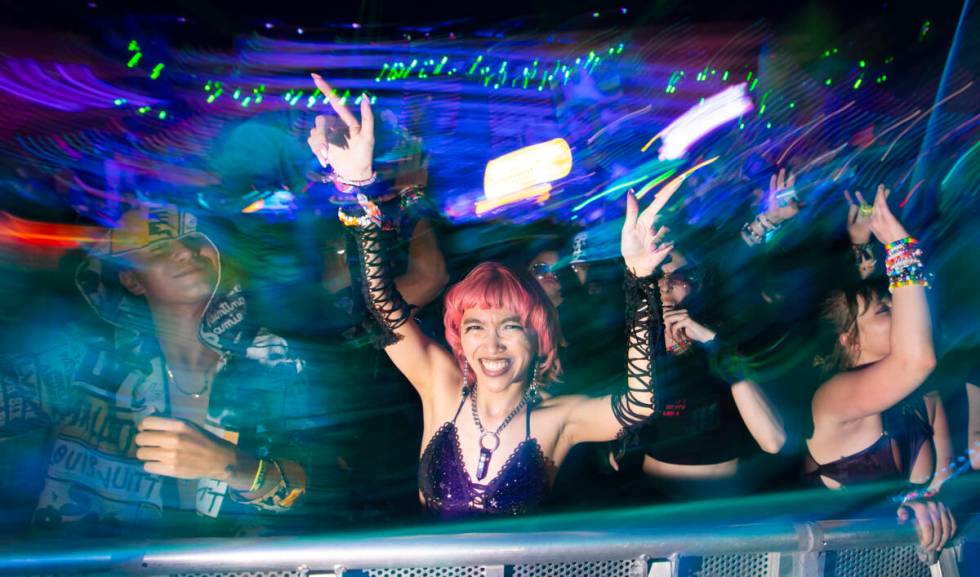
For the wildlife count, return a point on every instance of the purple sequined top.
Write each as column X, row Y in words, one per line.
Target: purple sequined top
column 520, row 486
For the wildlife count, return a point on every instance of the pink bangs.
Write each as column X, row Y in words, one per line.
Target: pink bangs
column 492, row 285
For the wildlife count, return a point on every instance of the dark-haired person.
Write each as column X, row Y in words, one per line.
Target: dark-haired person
column 868, row 422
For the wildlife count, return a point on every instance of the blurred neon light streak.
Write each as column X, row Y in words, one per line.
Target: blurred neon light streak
column 925, row 114
column 815, row 124
column 541, row 191
column 668, row 190
column 646, row 187
column 703, row 118
column 619, row 120
column 47, row 234
column 925, row 150
column 607, row 192
column 958, row 164
column 909, row 195
column 957, row 129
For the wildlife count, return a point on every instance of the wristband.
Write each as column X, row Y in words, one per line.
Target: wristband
column 259, row 476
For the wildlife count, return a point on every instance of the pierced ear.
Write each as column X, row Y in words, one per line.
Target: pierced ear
column 131, row 283
column 851, row 346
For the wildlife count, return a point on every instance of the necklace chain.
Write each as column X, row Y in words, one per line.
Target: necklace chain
column 504, row 423
column 208, row 379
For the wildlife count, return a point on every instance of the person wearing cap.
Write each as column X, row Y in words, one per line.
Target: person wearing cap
column 182, row 409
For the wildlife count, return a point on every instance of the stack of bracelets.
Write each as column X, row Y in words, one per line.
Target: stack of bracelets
column 755, row 232
column 367, row 211
column 903, row 264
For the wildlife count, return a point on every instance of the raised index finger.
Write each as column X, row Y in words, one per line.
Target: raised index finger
column 345, row 115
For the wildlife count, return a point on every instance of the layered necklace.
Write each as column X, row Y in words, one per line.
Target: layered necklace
column 490, row 440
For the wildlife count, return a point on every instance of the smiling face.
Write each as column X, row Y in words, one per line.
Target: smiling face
column 498, row 348
column 177, row 272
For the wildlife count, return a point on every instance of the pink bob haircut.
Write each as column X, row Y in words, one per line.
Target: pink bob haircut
column 492, row 285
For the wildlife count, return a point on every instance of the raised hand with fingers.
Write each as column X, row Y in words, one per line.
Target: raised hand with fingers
column 883, row 223
column 782, row 203
column 859, row 230
column 642, row 243
column 348, row 146
column 858, row 218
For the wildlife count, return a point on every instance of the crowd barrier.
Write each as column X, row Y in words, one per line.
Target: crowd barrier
column 845, row 548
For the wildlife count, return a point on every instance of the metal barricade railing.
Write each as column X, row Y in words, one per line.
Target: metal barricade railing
column 852, row 548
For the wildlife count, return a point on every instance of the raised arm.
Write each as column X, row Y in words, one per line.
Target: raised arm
column 757, row 411
column 875, row 387
column 349, row 151
column 426, row 275
column 605, row 418
column 859, row 230
column 781, row 205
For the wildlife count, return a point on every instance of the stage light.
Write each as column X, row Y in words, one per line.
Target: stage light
column 697, row 122
column 527, row 167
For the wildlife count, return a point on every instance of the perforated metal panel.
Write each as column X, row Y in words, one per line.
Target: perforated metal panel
column 741, row 565
column 471, row 571
column 243, row 574
column 589, row 569
column 883, row 561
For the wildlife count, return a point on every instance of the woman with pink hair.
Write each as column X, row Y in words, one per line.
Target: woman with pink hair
column 491, row 445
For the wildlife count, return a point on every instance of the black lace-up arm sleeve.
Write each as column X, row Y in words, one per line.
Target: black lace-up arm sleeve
column 644, row 342
column 381, row 297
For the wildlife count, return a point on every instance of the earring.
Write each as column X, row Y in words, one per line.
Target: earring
column 532, row 390
column 466, row 375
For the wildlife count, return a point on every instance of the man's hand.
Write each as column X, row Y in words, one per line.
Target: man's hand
column 177, row 448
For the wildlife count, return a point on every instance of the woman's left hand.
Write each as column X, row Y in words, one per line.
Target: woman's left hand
column 678, row 322
column 350, row 148
column 642, row 247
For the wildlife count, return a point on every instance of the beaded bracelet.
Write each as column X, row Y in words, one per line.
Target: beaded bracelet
column 903, row 265
column 372, row 216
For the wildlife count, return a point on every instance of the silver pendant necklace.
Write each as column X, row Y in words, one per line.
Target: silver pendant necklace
column 490, row 440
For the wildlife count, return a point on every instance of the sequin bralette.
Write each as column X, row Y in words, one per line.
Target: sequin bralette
column 520, row 486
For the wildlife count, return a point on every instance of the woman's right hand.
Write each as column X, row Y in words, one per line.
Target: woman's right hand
column 350, row 148
column 884, row 225
column 934, row 522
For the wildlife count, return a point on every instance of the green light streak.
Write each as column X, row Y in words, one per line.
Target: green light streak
column 646, row 187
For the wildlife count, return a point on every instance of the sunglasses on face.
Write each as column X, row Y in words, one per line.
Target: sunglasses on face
column 541, row 269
